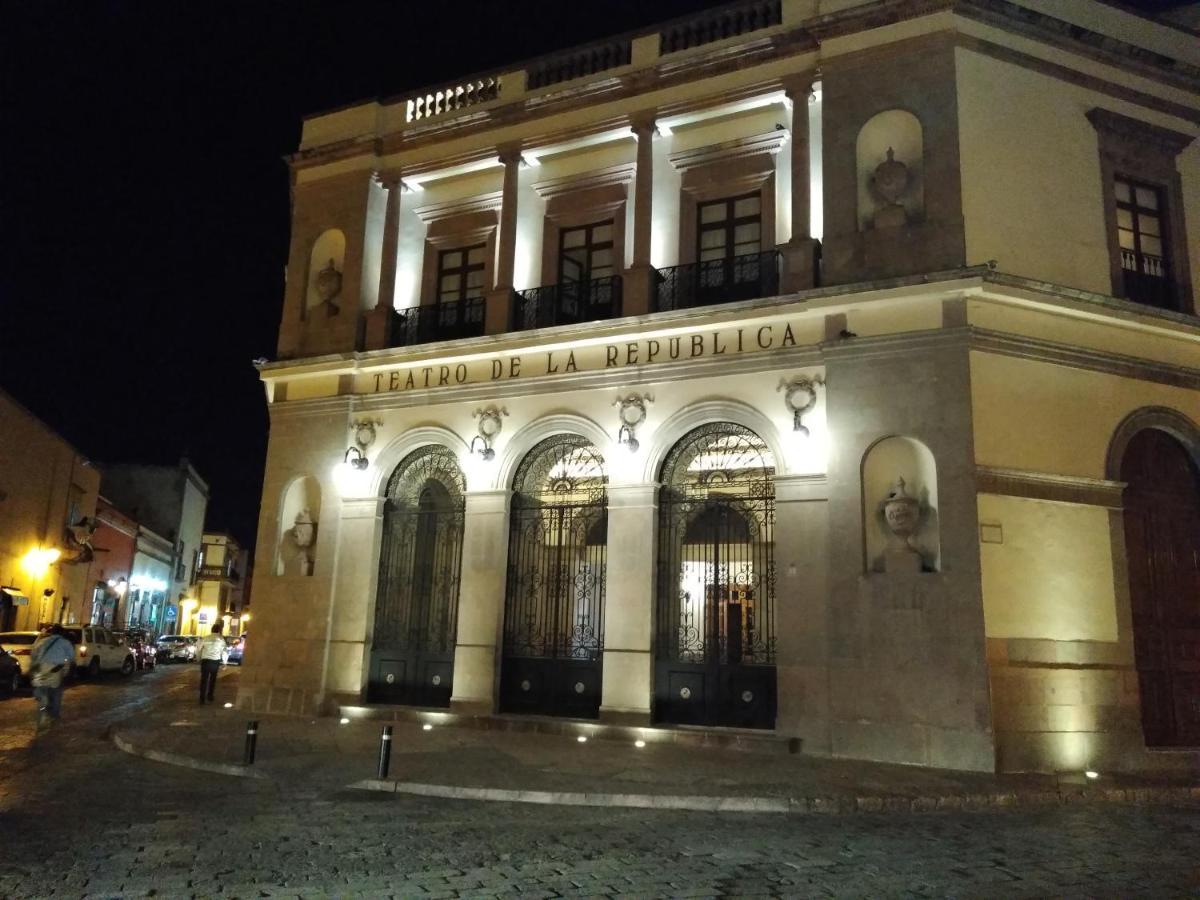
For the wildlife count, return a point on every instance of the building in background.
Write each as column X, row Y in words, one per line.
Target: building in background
column 169, row 503
column 220, row 577
column 146, row 604
column 48, row 496
column 863, row 332
column 114, row 545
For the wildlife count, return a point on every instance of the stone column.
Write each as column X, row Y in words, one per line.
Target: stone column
column 500, row 298
column 481, row 602
column 379, row 319
column 628, row 685
column 799, row 254
column 639, row 279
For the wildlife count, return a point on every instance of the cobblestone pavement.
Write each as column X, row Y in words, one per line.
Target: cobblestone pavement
column 79, row 818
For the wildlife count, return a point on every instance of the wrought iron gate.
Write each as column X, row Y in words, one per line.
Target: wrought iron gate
column 412, row 650
column 554, row 602
column 715, row 611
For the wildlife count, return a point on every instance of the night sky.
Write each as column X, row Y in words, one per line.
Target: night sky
column 144, row 201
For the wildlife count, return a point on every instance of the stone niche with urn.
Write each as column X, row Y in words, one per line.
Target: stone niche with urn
column 299, row 520
column 900, row 508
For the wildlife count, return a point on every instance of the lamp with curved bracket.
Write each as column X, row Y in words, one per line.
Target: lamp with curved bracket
column 632, row 413
column 490, row 425
column 800, row 395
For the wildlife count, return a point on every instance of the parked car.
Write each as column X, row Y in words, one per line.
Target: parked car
column 98, row 650
column 10, row 673
column 237, row 646
column 144, row 654
column 19, row 644
column 176, row 648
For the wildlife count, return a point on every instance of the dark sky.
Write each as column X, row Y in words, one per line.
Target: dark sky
column 144, row 203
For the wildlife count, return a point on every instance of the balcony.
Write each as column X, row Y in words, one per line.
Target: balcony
column 1147, row 280
column 437, row 322
column 717, row 281
column 567, row 304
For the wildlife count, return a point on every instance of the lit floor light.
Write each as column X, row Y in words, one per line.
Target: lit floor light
column 581, row 739
column 1091, row 775
column 229, row 706
column 427, row 727
column 639, row 744
column 345, row 721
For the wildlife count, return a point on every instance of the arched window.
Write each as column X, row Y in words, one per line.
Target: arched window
column 416, row 607
column 715, row 609
column 554, row 601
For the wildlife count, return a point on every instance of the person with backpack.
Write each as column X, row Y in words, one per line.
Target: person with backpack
column 49, row 663
column 211, row 653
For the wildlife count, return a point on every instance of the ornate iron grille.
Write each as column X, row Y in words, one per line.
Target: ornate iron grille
column 715, row 610
column 726, row 280
column 569, row 303
column 445, row 321
column 554, row 607
column 417, row 602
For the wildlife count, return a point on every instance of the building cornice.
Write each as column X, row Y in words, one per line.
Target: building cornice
column 1031, row 485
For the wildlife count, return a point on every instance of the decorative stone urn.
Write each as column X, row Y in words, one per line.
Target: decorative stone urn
column 298, row 545
column 902, row 515
column 891, row 180
column 329, row 285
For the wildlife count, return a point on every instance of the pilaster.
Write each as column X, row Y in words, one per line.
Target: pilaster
column 627, row 688
column 379, row 318
column 800, row 253
column 639, row 280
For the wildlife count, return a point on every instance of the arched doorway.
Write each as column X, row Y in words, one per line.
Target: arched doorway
column 416, row 608
column 554, row 601
column 715, row 610
column 1162, row 543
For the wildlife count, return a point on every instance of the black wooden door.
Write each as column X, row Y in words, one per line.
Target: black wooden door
column 1162, row 542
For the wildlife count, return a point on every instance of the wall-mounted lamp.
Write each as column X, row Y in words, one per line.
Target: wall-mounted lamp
column 490, row 426
column 800, row 395
column 631, row 414
column 359, row 461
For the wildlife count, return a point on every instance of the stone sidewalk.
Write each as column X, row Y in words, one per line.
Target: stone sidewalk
column 464, row 763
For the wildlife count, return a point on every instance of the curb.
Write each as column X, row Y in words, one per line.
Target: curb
column 186, row 762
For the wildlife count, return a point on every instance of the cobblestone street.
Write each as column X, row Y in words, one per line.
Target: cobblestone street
column 80, row 818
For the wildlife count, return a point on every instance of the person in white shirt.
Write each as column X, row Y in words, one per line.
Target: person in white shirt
column 210, row 652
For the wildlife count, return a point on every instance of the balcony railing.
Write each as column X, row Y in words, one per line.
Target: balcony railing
column 718, row 281
column 1147, row 279
column 586, row 61
column 437, row 322
column 567, row 304
column 719, row 25
column 452, row 97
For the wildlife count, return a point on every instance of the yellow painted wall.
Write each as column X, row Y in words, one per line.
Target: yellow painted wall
column 1052, row 576
column 1045, row 418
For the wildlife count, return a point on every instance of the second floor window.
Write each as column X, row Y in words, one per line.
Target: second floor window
column 585, row 253
column 729, row 228
column 1145, row 266
column 460, row 273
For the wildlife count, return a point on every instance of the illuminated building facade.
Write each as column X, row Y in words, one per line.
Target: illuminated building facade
column 832, row 376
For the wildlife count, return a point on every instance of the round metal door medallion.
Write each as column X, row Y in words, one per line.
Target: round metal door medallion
column 437, row 679
column 685, row 693
column 579, row 687
column 390, row 679
column 525, row 685
column 747, row 696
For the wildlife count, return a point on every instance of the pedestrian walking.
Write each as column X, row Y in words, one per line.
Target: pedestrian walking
column 49, row 661
column 211, row 653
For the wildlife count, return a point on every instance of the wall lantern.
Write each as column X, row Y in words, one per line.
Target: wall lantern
column 800, row 395
column 490, row 426
column 632, row 413
column 359, row 461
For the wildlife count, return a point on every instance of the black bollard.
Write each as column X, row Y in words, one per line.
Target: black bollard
column 385, row 751
column 251, row 742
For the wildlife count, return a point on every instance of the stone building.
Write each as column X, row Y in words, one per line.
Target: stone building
column 831, row 374
column 220, row 585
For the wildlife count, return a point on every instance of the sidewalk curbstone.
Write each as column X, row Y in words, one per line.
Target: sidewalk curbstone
column 179, row 759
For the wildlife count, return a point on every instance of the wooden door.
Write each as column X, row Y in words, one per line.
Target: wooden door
column 1162, row 541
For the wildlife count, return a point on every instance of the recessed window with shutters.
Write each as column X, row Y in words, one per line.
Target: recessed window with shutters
column 586, row 289
column 729, row 245
column 461, row 273
column 1141, row 234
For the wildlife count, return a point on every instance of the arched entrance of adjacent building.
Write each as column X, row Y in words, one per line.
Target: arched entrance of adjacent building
column 554, row 602
column 715, row 610
column 1162, row 542
column 416, row 610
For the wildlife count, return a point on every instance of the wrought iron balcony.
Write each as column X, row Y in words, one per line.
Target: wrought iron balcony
column 437, row 322
column 567, row 304
column 1147, row 280
column 718, row 281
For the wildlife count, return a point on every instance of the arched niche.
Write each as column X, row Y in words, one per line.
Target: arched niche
column 326, row 263
column 890, row 197
column 299, row 521
column 887, row 548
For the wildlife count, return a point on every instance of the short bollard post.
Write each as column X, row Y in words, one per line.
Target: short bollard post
column 385, row 751
column 251, row 742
